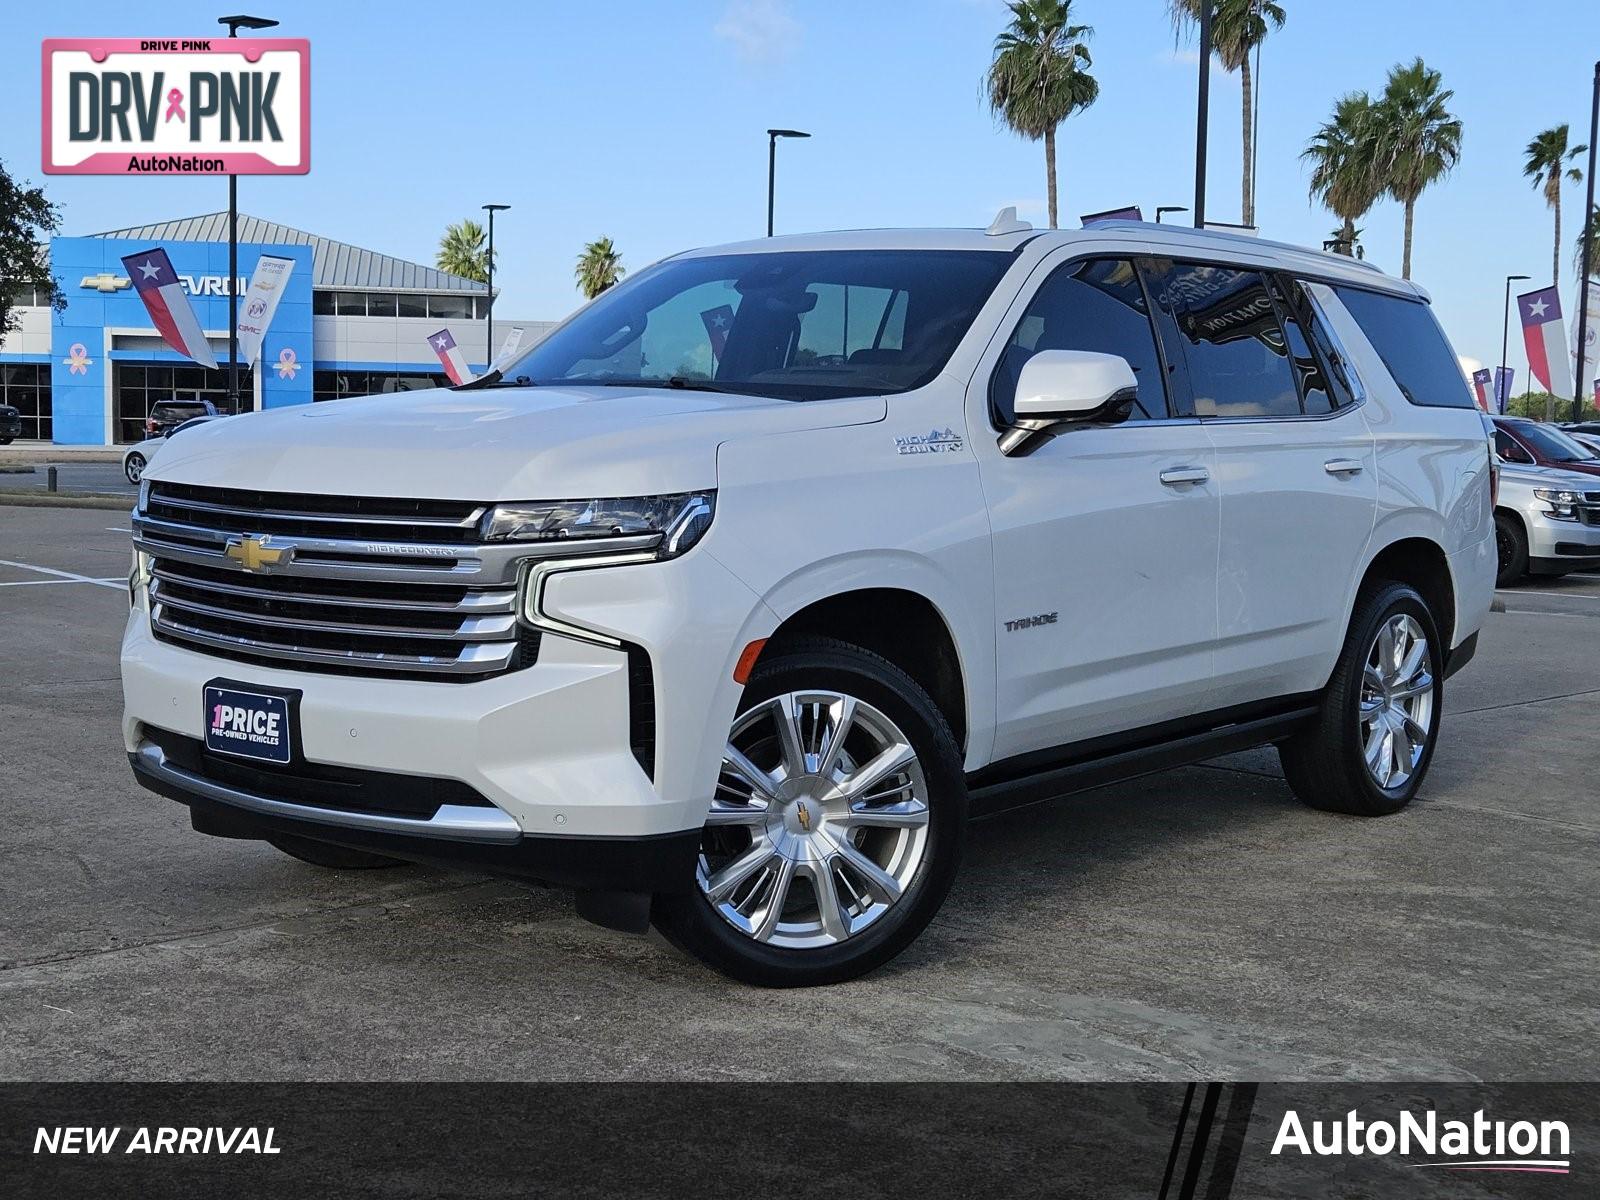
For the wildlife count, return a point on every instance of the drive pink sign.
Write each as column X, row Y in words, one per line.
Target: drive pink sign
column 169, row 106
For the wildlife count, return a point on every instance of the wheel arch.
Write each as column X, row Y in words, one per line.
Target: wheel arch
column 1420, row 562
column 901, row 625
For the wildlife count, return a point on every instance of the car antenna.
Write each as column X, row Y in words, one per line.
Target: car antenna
column 1006, row 221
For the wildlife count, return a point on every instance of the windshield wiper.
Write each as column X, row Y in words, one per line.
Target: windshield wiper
column 493, row 379
column 701, row 385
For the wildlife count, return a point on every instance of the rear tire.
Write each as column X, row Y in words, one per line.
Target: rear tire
column 826, row 853
column 1370, row 745
column 333, row 858
column 133, row 468
column 1511, row 542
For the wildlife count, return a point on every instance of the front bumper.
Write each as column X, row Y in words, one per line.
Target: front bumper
column 1555, row 546
column 476, row 838
column 11, row 428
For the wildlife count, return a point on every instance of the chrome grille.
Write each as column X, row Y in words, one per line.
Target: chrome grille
column 370, row 586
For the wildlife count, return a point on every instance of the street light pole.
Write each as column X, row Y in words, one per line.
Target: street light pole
column 1202, row 116
column 1588, row 252
column 234, row 24
column 488, row 353
column 1505, row 326
column 1166, row 208
column 772, row 164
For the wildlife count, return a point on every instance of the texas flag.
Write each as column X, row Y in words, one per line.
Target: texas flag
column 455, row 364
column 168, row 305
column 1546, row 336
column 1481, row 383
column 718, row 321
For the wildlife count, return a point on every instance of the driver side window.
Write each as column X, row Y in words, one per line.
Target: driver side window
column 1509, row 449
column 1100, row 305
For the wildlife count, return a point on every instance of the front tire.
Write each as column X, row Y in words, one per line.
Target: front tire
column 837, row 826
column 1368, row 749
column 1511, row 545
column 133, row 468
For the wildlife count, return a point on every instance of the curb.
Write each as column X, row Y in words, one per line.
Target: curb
column 38, row 498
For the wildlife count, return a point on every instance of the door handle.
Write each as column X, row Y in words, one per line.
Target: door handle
column 1342, row 466
column 1176, row 475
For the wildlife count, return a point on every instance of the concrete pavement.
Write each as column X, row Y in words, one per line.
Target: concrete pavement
column 1198, row 923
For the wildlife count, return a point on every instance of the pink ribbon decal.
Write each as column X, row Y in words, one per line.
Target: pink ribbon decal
column 78, row 360
column 174, row 106
column 287, row 366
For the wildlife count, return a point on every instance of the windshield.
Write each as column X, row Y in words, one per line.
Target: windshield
column 1554, row 445
column 795, row 325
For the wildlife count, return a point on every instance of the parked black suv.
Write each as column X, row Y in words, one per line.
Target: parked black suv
column 10, row 424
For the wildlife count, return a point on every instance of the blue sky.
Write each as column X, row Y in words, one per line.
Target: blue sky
column 644, row 122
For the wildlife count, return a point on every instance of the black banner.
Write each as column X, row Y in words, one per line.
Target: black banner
column 929, row 1141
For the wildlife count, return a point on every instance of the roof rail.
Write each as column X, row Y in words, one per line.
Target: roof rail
column 1248, row 239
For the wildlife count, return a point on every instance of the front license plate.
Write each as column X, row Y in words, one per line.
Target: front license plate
column 248, row 724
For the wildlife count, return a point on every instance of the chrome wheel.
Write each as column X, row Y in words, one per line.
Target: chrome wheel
column 1396, row 710
column 819, row 823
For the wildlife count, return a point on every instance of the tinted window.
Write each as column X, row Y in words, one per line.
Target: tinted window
column 1552, row 444
column 1325, row 382
column 1098, row 305
column 1506, row 447
column 451, row 308
column 1234, row 349
column 775, row 323
column 1406, row 335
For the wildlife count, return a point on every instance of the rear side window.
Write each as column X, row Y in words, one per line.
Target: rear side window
column 1227, row 326
column 1406, row 335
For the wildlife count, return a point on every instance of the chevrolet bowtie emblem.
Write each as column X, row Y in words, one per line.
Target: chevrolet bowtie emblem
column 253, row 554
column 804, row 815
column 105, row 282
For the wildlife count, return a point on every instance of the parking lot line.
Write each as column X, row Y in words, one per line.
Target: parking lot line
column 66, row 576
column 1557, row 595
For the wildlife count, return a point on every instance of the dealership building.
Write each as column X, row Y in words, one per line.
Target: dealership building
column 352, row 322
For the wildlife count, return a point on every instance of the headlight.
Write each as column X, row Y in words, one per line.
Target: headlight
column 1563, row 504
column 138, row 577
column 675, row 522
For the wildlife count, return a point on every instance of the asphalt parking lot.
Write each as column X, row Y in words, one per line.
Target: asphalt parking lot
column 1198, row 923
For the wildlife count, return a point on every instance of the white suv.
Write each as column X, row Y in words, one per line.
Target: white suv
column 741, row 590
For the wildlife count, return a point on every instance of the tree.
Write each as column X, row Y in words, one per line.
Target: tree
column 599, row 267
column 1546, row 163
column 1238, row 27
column 1594, row 246
column 1416, row 139
column 1343, row 171
column 25, row 218
column 1038, row 77
column 464, row 251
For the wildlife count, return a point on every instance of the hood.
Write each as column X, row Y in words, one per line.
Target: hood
column 1547, row 477
column 532, row 443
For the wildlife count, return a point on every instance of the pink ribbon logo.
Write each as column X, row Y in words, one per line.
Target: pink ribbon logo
column 174, row 106
column 78, row 360
column 287, row 366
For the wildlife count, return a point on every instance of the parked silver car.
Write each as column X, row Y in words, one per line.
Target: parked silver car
column 1547, row 522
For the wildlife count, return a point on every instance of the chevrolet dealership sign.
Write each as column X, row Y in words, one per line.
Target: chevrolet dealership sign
column 206, row 106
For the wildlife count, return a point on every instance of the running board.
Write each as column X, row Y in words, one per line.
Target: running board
column 988, row 799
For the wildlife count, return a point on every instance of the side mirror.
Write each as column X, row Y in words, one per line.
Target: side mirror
column 1060, row 390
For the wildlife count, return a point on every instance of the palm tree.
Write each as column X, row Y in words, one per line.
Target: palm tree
column 1343, row 173
column 1546, row 163
column 1238, row 27
column 1416, row 139
column 1594, row 246
column 1038, row 77
column 463, row 251
column 599, row 267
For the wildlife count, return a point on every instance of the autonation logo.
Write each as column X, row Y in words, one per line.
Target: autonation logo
column 1476, row 1145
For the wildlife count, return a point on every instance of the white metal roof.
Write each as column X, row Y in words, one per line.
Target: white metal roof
column 1140, row 236
column 335, row 264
